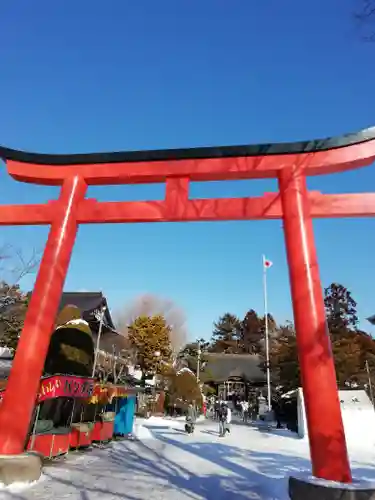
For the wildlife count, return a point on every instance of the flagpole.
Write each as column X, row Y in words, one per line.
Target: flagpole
column 266, row 333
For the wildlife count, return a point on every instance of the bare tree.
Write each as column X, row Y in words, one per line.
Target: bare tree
column 149, row 305
column 14, row 265
column 13, row 302
column 112, row 367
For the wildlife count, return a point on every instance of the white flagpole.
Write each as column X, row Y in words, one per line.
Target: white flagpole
column 266, row 334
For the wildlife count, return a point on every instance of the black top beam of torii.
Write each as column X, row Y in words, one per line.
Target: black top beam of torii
column 282, row 148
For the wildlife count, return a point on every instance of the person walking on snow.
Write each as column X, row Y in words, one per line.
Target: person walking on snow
column 225, row 417
column 216, row 410
column 191, row 419
column 245, row 411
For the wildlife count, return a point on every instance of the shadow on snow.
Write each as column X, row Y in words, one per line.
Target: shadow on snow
column 134, row 470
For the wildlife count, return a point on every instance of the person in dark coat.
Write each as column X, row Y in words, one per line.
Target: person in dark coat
column 276, row 407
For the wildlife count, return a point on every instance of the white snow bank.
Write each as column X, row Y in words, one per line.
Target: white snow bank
column 358, row 417
column 20, row 486
column 142, row 427
column 142, row 433
column 5, row 352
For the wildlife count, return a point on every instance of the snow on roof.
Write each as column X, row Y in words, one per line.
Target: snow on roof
column 5, row 352
column 185, row 369
column 74, row 322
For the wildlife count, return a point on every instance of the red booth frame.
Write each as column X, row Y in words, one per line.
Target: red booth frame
column 50, row 444
column 289, row 163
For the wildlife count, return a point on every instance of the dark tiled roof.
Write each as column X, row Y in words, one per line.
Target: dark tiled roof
column 221, row 367
column 90, row 304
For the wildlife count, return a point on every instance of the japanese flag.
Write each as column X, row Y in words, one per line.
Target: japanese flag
column 266, row 263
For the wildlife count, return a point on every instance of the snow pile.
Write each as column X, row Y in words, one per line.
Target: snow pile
column 5, row 352
column 18, row 487
column 358, row 417
column 142, row 427
column 142, row 433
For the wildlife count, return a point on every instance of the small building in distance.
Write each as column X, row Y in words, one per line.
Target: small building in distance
column 238, row 375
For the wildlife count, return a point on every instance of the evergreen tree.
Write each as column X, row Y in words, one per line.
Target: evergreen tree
column 285, row 371
column 341, row 310
column 342, row 321
column 226, row 334
column 149, row 336
column 184, row 389
column 13, row 307
column 252, row 333
column 347, row 357
column 189, row 354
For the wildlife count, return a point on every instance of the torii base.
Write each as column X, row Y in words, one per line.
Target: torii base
column 303, row 489
column 24, row 468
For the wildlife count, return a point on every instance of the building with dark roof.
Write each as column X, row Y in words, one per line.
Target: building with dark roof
column 231, row 374
column 91, row 305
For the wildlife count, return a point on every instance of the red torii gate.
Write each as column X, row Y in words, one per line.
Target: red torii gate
column 289, row 163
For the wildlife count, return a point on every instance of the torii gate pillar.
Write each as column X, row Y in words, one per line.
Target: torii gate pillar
column 314, row 349
column 40, row 319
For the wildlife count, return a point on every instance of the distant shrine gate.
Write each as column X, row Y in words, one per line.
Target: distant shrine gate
column 289, row 163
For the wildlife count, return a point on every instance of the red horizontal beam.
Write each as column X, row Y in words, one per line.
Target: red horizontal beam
column 267, row 206
column 342, row 205
column 211, row 169
column 27, row 215
column 192, row 210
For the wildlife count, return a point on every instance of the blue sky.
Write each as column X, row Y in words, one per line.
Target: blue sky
column 123, row 75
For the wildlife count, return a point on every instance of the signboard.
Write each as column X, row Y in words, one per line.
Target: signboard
column 63, row 386
column 70, row 386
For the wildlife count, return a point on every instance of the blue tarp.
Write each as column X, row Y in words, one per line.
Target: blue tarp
column 124, row 416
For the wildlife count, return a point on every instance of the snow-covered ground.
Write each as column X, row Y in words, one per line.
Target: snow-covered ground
column 165, row 463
